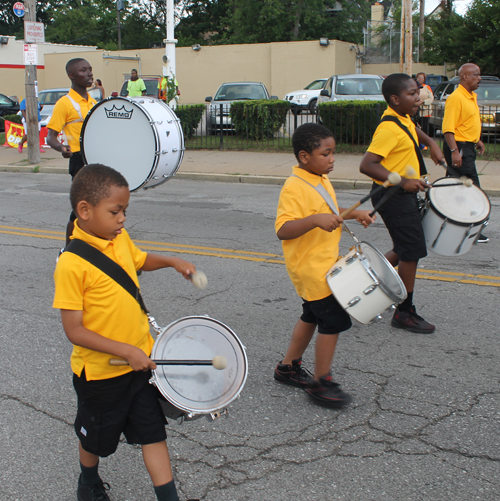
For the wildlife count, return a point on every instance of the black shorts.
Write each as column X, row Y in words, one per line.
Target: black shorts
column 125, row 404
column 75, row 163
column 327, row 313
column 402, row 218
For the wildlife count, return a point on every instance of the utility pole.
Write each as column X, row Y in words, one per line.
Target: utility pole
column 31, row 97
column 406, row 43
column 421, row 29
column 119, row 7
column 170, row 41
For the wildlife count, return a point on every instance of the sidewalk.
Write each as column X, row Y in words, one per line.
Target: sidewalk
column 249, row 167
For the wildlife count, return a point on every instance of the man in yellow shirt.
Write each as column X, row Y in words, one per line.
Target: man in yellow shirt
column 462, row 126
column 68, row 116
column 136, row 86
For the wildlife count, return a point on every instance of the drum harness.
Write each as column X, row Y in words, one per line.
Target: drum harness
column 113, row 270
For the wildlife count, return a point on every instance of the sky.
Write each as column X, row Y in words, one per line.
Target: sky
column 459, row 5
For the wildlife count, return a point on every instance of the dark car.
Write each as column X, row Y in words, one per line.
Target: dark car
column 8, row 106
column 434, row 80
column 488, row 99
column 219, row 109
column 151, row 83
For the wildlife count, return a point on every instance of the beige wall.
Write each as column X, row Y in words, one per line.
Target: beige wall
column 387, row 69
column 283, row 67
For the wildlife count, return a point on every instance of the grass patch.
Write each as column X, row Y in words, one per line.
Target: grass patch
column 2, row 138
column 36, row 169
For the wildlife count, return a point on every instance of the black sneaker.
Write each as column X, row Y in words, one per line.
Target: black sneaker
column 293, row 375
column 482, row 239
column 410, row 321
column 95, row 492
column 327, row 393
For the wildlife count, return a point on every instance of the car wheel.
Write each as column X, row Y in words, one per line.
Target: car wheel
column 313, row 106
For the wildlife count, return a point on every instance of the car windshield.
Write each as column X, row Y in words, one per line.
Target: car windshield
column 316, row 85
column 488, row 91
column 233, row 92
column 51, row 97
column 4, row 100
column 358, row 86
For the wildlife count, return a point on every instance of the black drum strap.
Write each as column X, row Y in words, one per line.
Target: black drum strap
column 421, row 163
column 107, row 266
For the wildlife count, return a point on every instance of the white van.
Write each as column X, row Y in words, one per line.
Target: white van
column 352, row 87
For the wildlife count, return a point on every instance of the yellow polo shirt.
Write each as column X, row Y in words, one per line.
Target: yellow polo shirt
column 309, row 257
column 461, row 115
column 108, row 308
column 392, row 143
column 64, row 112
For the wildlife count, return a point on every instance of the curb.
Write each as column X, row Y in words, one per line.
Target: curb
column 338, row 184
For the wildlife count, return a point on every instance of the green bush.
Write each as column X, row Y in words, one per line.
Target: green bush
column 13, row 118
column 259, row 119
column 190, row 116
column 352, row 122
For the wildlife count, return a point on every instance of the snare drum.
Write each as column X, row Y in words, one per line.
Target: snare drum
column 365, row 284
column 454, row 216
column 195, row 391
column 139, row 137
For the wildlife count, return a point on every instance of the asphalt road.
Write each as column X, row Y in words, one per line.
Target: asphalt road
column 425, row 422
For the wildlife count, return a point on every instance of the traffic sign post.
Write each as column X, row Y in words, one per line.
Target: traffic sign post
column 18, row 9
column 34, row 32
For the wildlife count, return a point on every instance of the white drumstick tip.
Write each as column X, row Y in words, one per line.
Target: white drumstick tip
column 394, row 178
column 199, row 279
column 219, row 362
column 468, row 183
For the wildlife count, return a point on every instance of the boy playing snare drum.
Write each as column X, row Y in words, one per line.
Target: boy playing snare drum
column 311, row 234
column 103, row 321
column 393, row 150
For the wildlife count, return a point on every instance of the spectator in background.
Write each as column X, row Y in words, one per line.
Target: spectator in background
column 427, row 97
column 98, row 85
column 22, row 107
column 136, row 86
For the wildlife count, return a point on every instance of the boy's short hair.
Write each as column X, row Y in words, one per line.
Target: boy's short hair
column 394, row 85
column 92, row 184
column 308, row 137
column 71, row 63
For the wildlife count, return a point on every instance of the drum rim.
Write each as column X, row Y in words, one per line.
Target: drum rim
column 129, row 100
column 381, row 283
column 454, row 221
column 184, row 408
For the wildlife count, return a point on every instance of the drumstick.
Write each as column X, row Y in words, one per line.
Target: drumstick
column 455, row 173
column 218, row 362
column 466, row 182
column 199, row 279
column 393, row 179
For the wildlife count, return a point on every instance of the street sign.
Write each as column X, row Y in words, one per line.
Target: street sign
column 30, row 54
column 18, row 9
column 34, row 32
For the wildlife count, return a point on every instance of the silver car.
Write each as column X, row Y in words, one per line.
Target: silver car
column 50, row 97
column 306, row 98
column 352, row 87
column 220, row 105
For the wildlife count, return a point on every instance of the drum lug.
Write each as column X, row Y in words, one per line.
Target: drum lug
column 378, row 318
column 439, row 234
column 335, row 271
column 353, row 302
column 217, row 414
column 351, row 259
column 370, row 289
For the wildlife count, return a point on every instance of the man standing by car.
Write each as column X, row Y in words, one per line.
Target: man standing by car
column 68, row 116
column 462, row 126
column 136, row 86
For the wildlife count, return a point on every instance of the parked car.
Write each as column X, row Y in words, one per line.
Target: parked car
column 488, row 99
column 352, row 87
column 306, row 98
column 434, row 80
column 8, row 106
column 49, row 97
column 151, row 83
column 220, row 105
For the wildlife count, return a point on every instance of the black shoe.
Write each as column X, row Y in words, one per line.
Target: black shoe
column 327, row 393
column 95, row 492
column 410, row 321
column 292, row 375
column 482, row 239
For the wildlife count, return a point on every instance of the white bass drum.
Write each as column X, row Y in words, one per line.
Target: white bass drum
column 139, row 137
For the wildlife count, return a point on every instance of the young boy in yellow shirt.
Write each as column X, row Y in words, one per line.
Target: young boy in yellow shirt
column 311, row 234
column 393, row 150
column 102, row 320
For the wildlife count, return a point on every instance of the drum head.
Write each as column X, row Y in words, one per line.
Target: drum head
column 460, row 203
column 199, row 389
column 390, row 282
column 117, row 133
